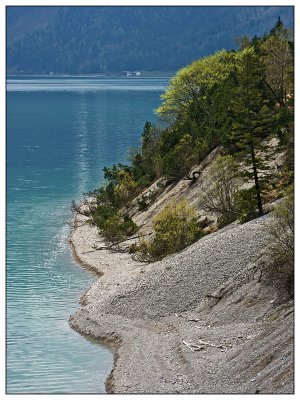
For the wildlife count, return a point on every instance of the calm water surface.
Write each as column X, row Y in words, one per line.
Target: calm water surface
column 60, row 134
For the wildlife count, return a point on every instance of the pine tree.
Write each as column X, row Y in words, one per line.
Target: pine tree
column 252, row 119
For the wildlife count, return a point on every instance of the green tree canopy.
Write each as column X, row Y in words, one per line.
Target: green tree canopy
column 192, row 83
column 251, row 115
column 277, row 56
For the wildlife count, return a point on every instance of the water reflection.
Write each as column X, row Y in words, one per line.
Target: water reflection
column 71, row 136
column 82, row 143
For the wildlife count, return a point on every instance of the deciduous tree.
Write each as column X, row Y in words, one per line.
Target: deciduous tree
column 278, row 60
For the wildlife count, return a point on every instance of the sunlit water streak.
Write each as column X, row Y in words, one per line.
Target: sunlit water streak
column 57, row 144
column 86, row 84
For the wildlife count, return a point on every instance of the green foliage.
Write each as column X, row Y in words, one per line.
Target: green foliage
column 121, row 188
column 223, row 195
column 226, row 218
column 245, row 202
column 112, row 174
column 106, row 39
column 281, row 236
column 102, row 213
column 234, row 99
column 117, row 227
column 180, row 159
column 175, row 227
column 196, row 103
column 142, row 203
column 278, row 61
column 219, row 195
column 192, row 83
column 125, row 189
column 252, row 117
column 148, row 168
column 112, row 224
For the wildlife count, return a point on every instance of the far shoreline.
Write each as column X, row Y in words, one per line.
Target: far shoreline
column 145, row 74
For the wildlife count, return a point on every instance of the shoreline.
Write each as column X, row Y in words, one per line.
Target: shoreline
column 111, row 344
column 175, row 327
column 75, row 247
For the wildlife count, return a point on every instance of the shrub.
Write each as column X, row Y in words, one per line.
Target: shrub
column 102, row 213
column 177, row 162
column 125, row 189
column 245, row 202
column 142, row 203
column 219, row 195
column 223, row 197
column 121, row 187
column 175, row 227
column 113, row 225
column 117, row 227
column 281, row 236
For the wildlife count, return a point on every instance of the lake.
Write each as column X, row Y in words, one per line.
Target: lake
column 61, row 132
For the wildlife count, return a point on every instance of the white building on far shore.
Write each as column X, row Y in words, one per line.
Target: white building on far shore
column 131, row 73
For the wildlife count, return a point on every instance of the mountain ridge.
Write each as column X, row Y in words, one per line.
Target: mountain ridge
column 113, row 39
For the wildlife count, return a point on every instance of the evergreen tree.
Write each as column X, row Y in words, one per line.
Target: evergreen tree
column 252, row 119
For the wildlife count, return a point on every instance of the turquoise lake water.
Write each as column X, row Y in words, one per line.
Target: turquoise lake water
column 60, row 134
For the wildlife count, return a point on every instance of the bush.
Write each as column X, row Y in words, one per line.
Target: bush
column 121, row 187
column 125, row 189
column 113, row 225
column 219, row 195
column 102, row 213
column 175, row 227
column 223, row 197
column 281, row 236
column 245, row 202
column 177, row 162
column 117, row 227
column 142, row 203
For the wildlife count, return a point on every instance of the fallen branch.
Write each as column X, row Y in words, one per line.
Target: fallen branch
column 206, row 343
column 198, row 348
column 126, row 240
column 193, row 347
column 184, row 342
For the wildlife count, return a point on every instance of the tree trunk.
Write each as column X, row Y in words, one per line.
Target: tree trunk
column 257, row 187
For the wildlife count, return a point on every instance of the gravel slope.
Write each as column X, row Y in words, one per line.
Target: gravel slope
column 206, row 320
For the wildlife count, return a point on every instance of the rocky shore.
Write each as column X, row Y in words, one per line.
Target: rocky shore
column 206, row 320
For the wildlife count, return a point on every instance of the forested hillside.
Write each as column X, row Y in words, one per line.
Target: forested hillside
column 233, row 111
column 112, row 39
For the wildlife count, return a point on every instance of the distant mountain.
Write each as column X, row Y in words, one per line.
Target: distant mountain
column 113, row 39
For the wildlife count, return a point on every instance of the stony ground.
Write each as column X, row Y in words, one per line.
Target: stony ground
column 206, row 320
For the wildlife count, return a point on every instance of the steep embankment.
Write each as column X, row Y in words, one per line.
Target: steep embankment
column 206, row 320
column 160, row 194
